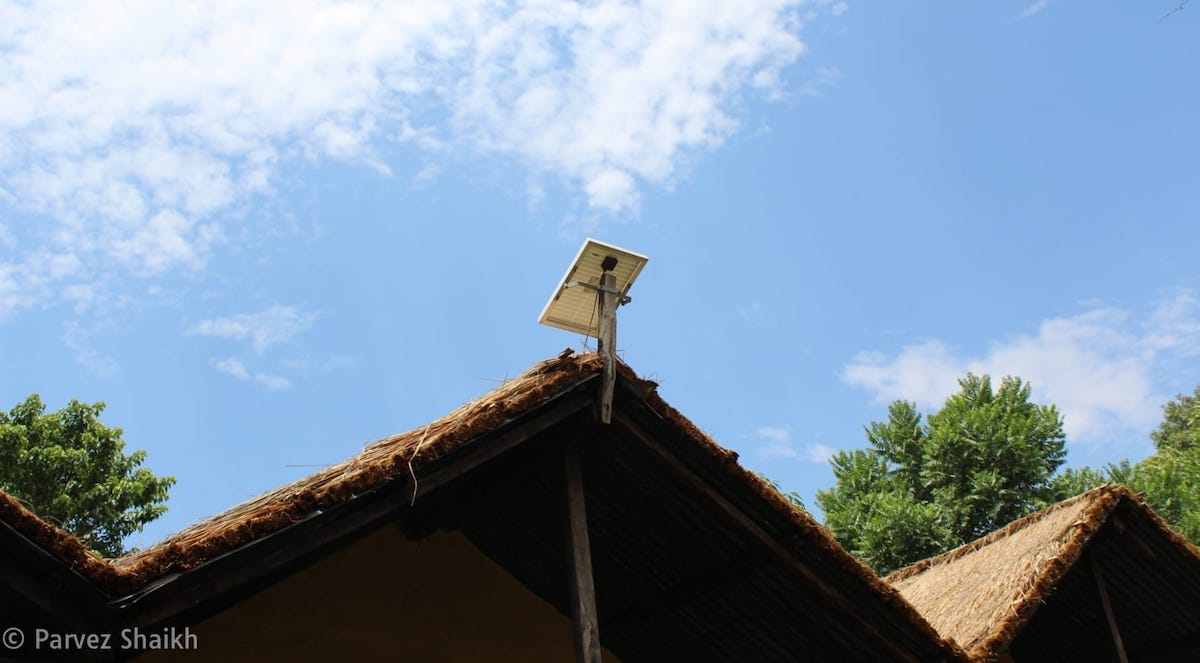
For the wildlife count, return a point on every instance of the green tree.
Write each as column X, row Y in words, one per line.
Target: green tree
column 793, row 497
column 1180, row 427
column 983, row 460
column 1169, row 478
column 72, row 470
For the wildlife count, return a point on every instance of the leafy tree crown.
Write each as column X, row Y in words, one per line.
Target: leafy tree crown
column 922, row 487
column 1169, row 479
column 72, row 470
column 1180, row 427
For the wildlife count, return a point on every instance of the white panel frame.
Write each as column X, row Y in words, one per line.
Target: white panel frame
column 574, row 308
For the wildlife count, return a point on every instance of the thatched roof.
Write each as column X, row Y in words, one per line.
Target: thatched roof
column 395, row 457
column 793, row 567
column 989, row 594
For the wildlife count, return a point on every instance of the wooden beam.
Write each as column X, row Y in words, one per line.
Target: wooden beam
column 48, row 583
column 219, row 582
column 583, row 591
column 606, row 342
column 502, row 444
column 847, row 612
column 1098, row 574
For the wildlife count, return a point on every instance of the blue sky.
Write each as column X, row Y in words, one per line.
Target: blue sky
column 267, row 234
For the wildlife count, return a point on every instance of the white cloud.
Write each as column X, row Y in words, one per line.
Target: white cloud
column 166, row 240
column 426, row 176
column 234, row 366
column 310, row 366
column 778, row 450
column 82, row 295
column 819, row 453
column 97, row 363
column 271, row 326
column 924, row 372
column 272, row 382
column 1032, row 10
column 263, row 330
column 780, row 446
column 132, row 136
column 1109, row 370
column 29, row 282
column 754, row 311
column 775, row 433
column 822, row 78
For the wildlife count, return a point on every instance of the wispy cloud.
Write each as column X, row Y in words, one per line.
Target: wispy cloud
column 31, row 281
column 819, row 453
column 272, row 382
column 1032, row 10
column 271, row 326
column 774, row 433
column 78, row 342
column 823, row 78
column 234, row 366
column 132, row 137
column 779, row 446
column 1108, row 369
column 753, row 311
column 310, row 366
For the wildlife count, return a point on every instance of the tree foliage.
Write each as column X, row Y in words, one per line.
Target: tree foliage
column 793, row 498
column 923, row 487
column 72, row 470
column 1180, row 427
column 1169, row 479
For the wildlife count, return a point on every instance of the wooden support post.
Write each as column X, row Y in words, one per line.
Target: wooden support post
column 606, row 342
column 583, row 592
column 1098, row 574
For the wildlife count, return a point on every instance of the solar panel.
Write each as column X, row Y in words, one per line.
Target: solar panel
column 573, row 308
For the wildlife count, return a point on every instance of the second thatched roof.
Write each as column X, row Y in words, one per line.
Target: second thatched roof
column 1034, row 580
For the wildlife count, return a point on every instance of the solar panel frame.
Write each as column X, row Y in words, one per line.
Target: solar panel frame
column 574, row 308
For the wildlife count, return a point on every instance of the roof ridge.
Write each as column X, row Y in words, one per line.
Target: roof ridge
column 1009, row 602
column 16, row 515
column 921, row 566
column 1079, row 534
column 378, row 463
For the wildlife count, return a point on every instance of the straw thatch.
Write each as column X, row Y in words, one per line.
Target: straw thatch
column 400, row 458
column 58, row 543
column 395, row 457
column 983, row 593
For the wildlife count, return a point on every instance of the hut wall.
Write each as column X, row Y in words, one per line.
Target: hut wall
column 387, row 598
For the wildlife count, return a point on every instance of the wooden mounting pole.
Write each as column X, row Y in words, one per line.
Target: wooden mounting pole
column 606, row 342
column 1098, row 574
column 583, row 591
